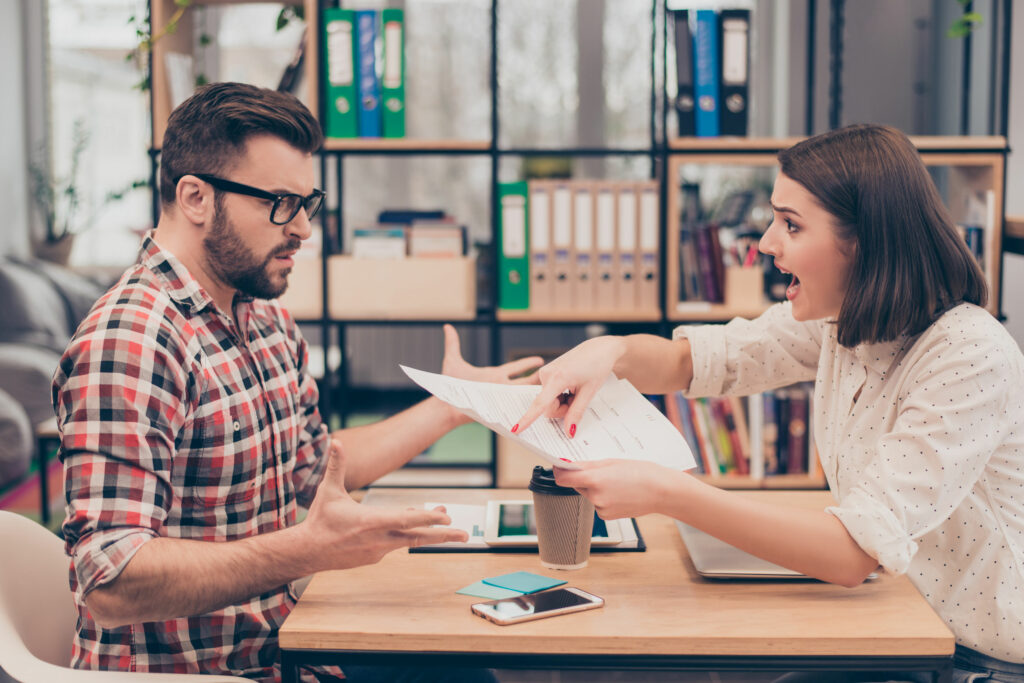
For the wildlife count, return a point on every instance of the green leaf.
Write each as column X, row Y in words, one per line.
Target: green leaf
column 201, row 79
column 204, row 40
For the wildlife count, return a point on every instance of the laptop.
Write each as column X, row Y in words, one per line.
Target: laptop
column 715, row 559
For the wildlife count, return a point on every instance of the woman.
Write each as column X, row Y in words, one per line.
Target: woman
column 918, row 399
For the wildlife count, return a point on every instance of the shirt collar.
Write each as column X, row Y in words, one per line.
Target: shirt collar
column 179, row 283
column 880, row 356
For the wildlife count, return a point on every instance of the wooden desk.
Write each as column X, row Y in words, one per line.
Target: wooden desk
column 658, row 614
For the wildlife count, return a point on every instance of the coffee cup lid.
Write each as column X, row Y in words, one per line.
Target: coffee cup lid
column 543, row 481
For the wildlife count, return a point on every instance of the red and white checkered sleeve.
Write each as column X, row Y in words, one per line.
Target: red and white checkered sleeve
column 121, row 393
column 310, row 458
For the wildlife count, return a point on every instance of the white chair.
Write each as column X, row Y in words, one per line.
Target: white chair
column 38, row 615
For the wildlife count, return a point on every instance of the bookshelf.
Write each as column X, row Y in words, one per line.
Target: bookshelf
column 965, row 166
column 967, row 170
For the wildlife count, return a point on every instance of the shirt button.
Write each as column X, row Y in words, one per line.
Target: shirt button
column 236, row 425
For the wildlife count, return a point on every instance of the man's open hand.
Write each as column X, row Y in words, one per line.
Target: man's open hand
column 346, row 534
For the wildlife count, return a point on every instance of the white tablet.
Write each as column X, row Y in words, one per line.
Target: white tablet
column 511, row 523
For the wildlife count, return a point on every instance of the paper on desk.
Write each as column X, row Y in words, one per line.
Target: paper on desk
column 618, row 423
column 468, row 518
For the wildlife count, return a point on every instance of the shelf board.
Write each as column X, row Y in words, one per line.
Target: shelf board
column 731, row 144
column 609, row 316
column 404, row 145
column 775, row 481
column 709, row 312
column 977, row 143
column 925, row 143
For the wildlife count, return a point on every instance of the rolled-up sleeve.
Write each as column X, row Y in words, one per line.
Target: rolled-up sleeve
column 120, row 395
column 310, row 457
column 745, row 357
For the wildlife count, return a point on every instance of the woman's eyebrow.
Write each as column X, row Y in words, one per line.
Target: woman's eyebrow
column 784, row 209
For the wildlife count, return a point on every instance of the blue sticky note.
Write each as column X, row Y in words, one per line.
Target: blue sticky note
column 524, row 582
column 482, row 590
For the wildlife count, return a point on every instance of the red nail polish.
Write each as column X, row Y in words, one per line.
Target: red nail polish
column 515, row 427
column 565, row 459
column 572, row 430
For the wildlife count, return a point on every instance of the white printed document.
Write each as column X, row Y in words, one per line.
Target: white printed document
column 618, row 423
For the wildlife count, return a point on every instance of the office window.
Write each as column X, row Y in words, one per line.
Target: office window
column 99, row 129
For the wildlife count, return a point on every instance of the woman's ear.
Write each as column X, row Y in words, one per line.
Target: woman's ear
column 195, row 200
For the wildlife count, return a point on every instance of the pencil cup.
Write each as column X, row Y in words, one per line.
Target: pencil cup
column 565, row 522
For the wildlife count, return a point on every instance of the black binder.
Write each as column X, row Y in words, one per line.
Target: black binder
column 684, row 103
column 734, row 43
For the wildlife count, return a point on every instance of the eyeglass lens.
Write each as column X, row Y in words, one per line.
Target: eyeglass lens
column 287, row 207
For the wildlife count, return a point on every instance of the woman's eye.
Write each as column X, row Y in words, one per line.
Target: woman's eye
column 790, row 227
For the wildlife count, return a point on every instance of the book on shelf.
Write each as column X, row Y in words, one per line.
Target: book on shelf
column 407, row 216
column 582, row 259
column 368, row 80
column 627, row 268
column 734, row 44
column 605, row 276
column 539, row 222
column 513, row 260
column 647, row 236
column 684, row 100
column 561, row 240
column 690, row 288
column 707, row 73
column 393, row 73
column 340, row 89
column 382, row 242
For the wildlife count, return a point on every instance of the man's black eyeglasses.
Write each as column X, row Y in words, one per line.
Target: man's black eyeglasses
column 286, row 206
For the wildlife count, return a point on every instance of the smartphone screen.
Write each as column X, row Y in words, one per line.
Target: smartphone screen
column 517, row 519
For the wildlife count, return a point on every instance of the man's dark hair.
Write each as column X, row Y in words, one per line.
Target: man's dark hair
column 207, row 133
column 909, row 265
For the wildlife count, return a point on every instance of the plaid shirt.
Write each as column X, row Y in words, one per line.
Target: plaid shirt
column 175, row 422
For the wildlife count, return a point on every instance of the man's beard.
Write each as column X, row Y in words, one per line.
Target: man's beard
column 236, row 265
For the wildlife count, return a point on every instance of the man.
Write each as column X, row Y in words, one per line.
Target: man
column 188, row 416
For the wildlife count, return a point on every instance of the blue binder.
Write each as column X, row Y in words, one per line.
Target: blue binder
column 707, row 72
column 369, row 83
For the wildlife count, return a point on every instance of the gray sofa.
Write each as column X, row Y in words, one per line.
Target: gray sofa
column 41, row 304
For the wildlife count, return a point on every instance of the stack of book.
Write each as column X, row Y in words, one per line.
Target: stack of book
column 578, row 245
column 712, row 71
column 757, row 436
column 402, row 233
column 364, row 55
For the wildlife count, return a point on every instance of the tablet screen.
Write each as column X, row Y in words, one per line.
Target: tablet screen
column 517, row 519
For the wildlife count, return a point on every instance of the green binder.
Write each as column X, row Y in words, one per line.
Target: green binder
column 513, row 249
column 393, row 80
column 340, row 110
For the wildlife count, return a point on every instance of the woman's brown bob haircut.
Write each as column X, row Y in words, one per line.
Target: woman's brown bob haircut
column 909, row 263
column 207, row 133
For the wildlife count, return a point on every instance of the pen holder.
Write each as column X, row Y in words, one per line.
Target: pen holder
column 565, row 522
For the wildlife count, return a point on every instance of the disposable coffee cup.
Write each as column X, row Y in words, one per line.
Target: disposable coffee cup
column 565, row 522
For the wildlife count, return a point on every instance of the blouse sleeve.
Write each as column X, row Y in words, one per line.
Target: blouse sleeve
column 745, row 357
column 949, row 422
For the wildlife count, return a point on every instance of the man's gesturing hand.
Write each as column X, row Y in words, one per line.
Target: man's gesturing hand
column 345, row 534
